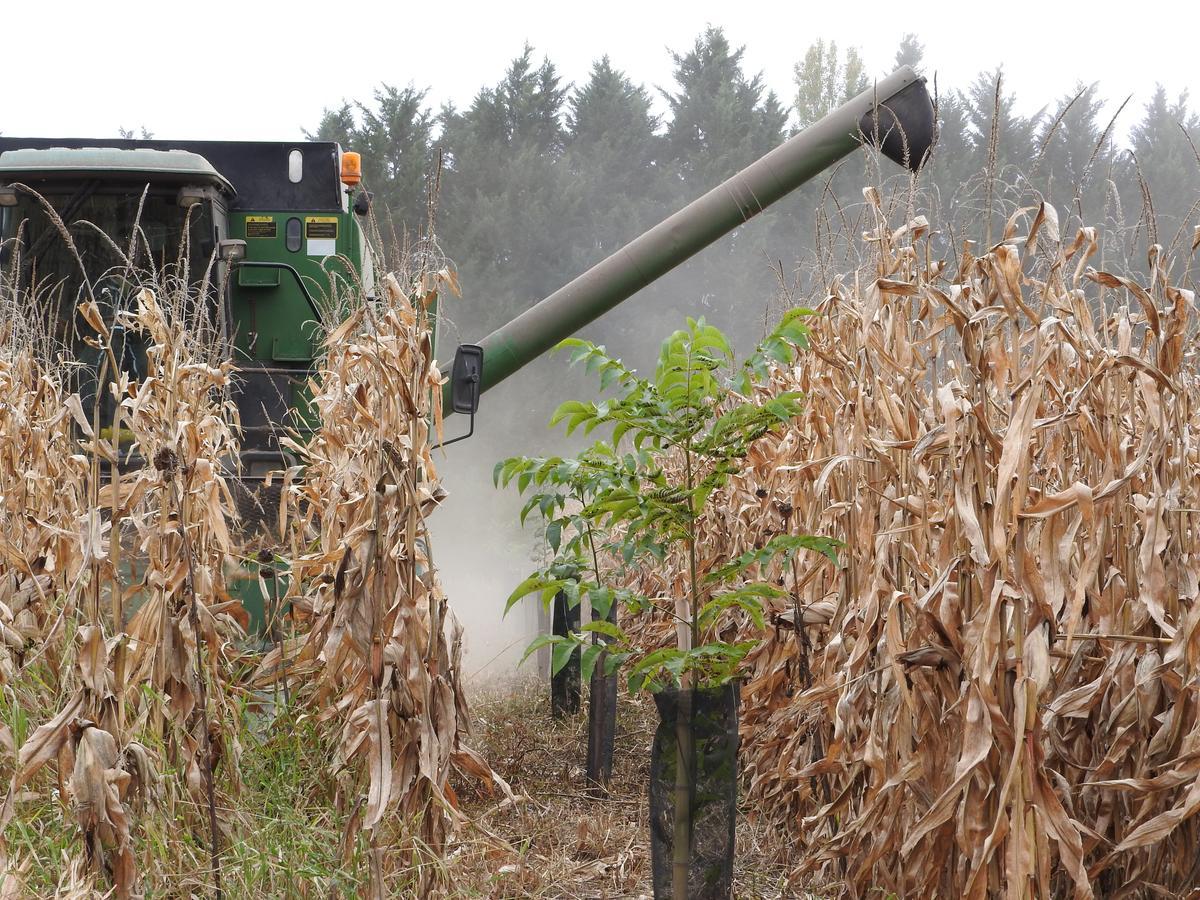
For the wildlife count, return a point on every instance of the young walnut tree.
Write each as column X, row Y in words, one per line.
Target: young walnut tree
column 675, row 439
column 687, row 430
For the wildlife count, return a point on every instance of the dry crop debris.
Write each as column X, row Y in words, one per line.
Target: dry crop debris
column 124, row 661
column 995, row 692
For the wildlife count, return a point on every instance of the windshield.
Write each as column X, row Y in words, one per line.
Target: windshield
column 100, row 219
column 97, row 218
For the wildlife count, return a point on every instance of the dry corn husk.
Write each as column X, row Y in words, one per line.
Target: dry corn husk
column 381, row 646
column 371, row 645
column 994, row 693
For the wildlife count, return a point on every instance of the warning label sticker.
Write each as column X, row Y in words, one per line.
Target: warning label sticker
column 261, row 227
column 321, row 227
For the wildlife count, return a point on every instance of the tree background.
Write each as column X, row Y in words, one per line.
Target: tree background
column 541, row 178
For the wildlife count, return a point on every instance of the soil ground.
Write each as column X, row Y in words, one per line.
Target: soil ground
column 557, row 842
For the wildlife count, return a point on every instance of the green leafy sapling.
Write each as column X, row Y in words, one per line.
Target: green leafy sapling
column 687, row 432
column 561, row 490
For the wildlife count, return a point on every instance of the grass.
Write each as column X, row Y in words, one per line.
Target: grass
column 291, row 841
column 285, row 838
column 287, row 834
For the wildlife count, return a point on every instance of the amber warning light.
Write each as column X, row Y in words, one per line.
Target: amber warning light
column 351, row 169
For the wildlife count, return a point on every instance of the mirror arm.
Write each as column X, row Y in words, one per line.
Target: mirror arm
column 474, row 378
column 461, row 437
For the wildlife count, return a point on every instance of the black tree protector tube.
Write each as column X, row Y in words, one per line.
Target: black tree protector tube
column 711, row 720
column 565, row 685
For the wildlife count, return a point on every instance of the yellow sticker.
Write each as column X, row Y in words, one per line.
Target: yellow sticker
column 261, row 227
column 321, row 227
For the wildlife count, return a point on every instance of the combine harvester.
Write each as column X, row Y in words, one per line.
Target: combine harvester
column 286, row 218
column 274, row 212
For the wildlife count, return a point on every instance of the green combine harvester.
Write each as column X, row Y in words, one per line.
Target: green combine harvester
column 285, row 219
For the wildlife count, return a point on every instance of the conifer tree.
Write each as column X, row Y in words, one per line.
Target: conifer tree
column 611, row 150
column 507, row 197
column 721, row 118
column 1072, row 154
column 910, row 52
column 1163, row 144
column 394, row 134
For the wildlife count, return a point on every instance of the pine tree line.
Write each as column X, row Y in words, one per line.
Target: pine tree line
column 542, row 178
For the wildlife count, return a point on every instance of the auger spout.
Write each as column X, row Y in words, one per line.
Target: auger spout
column 896, row 115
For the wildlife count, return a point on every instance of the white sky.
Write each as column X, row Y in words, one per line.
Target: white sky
column 263, row 70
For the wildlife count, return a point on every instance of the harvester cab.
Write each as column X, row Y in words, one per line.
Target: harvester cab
column 280, row 221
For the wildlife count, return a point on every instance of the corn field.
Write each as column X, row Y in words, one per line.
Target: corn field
column 994, row 692
column 130, row 685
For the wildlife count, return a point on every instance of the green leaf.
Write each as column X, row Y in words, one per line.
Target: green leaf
column 571, row 343
column 538, row 643
column 554, row 535
column 614, row 661
column 785, row 544
column 745, row 598
column 653, row 661
column 587, row 661
column 601, row 600
column 566, row 410
column 561, row 654
column 609, row 629
column 550, row 591
column 527, row 509
column 530, row 585
column 608, row 376
column 779, row 409
column 675, row 665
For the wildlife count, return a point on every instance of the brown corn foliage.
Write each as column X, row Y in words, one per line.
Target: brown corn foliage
column 62, row 568
column 378, row 652
column 114, row 579
column 994, row 693
column 39, row 471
